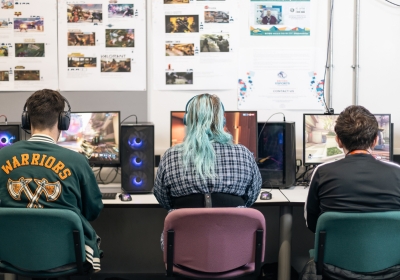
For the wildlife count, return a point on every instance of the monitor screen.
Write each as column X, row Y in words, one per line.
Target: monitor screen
column 241, row 124
column 9, row 134
column 319, row 144
column 94, row 134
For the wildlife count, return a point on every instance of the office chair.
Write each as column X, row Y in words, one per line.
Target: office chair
column 38, row 242
column 214, row 242
column 360, row 243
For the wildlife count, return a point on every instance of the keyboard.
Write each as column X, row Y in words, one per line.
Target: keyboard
column 108, row 195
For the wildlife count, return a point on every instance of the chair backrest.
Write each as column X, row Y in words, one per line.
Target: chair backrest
column 359, row 242
column 214, row 239
column 39, row 239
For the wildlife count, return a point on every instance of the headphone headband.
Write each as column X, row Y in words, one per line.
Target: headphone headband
column 64, row 117
column 187, row 105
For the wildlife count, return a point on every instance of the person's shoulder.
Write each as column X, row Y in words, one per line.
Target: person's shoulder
column 176, row 149
column 236, row 148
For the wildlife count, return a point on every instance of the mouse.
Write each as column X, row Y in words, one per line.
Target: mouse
column 266, row 196
column 125, row 197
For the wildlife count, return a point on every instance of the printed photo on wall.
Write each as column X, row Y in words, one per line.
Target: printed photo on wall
column 84, row 13
column 26, row 75
column 214, row 42
column 120, row 10
column 178, row 49
column 120, row 38
column 29, row 50
column 179, row 78
column 81, row 38
column 181, row 24
column 29, row 24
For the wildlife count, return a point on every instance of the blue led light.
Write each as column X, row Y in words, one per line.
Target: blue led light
column 137, row 161
column 135, row 142
column 137, row 181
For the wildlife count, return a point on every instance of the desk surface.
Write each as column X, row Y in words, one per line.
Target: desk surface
column 296, row 194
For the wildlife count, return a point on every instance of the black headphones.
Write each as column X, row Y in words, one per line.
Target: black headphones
column 63, row 119
column 186, row 109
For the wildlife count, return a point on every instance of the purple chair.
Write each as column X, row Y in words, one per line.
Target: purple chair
column 214, row 242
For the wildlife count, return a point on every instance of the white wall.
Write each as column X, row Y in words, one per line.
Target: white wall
column 379, row 67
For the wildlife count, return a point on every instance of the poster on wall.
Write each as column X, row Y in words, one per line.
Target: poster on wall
column 102, row 45
column 28, row 45
column 279, row 18
column 285, row 79
column 194, row 44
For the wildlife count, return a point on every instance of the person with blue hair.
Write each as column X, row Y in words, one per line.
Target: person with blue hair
column 207, row 169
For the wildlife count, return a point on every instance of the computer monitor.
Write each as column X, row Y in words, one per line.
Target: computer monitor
column 319, row 144
column 96, row 135
column 241, row 124
column 277, row 154
column 9, row 134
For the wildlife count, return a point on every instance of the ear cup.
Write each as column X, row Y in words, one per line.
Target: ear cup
column 63, row 120
column 184, row 118
column 25, row 121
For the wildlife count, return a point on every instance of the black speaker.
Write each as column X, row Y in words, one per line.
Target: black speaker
column 137, row 157
column 277, row 154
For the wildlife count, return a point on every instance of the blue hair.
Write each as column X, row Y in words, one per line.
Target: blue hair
column 205, row 125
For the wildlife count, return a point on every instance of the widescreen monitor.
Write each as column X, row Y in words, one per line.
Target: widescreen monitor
column 319, row 144
column 94, row 134
column 241, row 124
column 9, row 134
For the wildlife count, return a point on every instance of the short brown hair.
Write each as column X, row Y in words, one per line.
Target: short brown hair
column 44, row 107
column 356, row 128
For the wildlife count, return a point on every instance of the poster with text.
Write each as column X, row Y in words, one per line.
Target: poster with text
column 194, row 44
column 28, row 45
column 284, row 79
column 279, row 17
column 102, row 45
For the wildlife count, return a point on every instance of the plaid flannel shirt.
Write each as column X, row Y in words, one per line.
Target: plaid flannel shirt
column 236, row 173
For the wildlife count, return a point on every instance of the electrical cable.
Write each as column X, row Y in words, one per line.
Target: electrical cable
column 5, row 118
column 327, row 57
column 398, row 5
column 129, row 117
column 104, row 181
column 284, row 119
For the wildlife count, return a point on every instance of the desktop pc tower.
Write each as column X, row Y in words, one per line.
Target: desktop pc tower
column 137, row 157
column 277, row 154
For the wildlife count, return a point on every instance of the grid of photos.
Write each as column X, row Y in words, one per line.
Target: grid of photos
column 34, row 24
column 115, row 64
column 4, row 76
column 216, row 16
column 120, row 38
column 3, row 50
column 179, row 78
column 7, row 4
column 182, row 24
column 29, row 50
column 178, row 49
column 81, row 38
column 214, row 42
column 120, row 10
column 26, row 75
column 84, row 13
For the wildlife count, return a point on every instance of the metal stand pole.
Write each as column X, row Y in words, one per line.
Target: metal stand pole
column 285, row 242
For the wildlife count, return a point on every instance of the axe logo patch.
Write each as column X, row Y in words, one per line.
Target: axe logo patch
column 51, row 190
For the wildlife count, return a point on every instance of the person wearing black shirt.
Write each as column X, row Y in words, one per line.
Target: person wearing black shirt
column 358, row 182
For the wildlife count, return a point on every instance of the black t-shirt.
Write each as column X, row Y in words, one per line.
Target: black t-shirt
column 357, row 183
